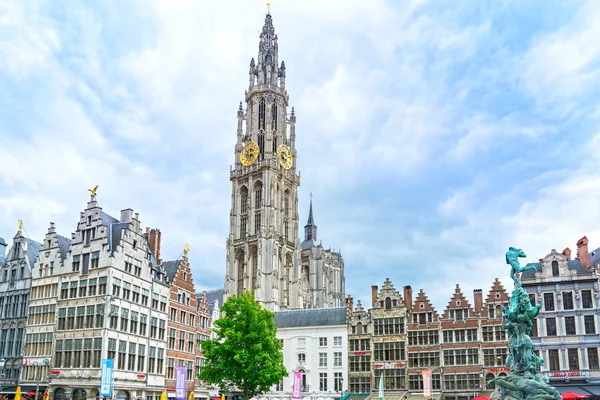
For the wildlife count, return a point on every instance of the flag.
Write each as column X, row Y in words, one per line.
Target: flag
column 223, row 396
column 163, row 396
column 18, row 393
column 426, row 383
column 191, row 396
column 47, row 394
column 381, row 385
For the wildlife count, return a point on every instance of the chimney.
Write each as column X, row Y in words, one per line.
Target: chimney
column 567, row 253
column 126, row 215
column 52, row 229
column 408, row 297
column 154, row 239
column 582, row 252
column 350, row 304
column 478, row 296
column 373, row 296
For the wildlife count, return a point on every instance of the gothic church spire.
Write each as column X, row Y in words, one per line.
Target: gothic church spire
column 310, row 229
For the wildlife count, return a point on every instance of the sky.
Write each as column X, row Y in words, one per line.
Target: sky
column 433, row 135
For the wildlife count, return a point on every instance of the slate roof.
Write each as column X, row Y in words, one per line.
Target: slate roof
column 311, row 317
column 107, row 219
column 574, row 265
column 33, row 250
column 211, row 296
column 171, row 268
column 63, row 246
column 115, row 233
column 2, row 256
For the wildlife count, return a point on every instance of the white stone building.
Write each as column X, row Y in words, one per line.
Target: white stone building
column 111, row 302
column 315, row 343
column 264, row 253
column 15, row 283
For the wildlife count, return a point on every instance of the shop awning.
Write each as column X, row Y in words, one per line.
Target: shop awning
column 588, row 390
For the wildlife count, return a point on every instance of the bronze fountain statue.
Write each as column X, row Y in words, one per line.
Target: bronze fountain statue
column 524, row 381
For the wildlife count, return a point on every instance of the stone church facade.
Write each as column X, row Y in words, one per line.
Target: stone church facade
column 264, row 252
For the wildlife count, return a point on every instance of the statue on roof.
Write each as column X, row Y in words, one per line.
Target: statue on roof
column 512, row 258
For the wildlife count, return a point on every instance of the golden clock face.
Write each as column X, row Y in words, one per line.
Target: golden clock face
column 286, row 159
column 249, row 154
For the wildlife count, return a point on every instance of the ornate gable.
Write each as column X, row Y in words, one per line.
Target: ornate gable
column 497, row 293
column 388, row 297
column 458, row 302
column 422, row 304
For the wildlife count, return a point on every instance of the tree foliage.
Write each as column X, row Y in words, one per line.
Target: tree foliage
column 246, row 354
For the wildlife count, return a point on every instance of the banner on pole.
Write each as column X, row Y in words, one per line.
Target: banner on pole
column 180, row 375
column 297, row 384
column 381, row 385
column 106, row 380
column 426, row 383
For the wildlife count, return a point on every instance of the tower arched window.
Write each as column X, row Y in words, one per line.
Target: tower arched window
column 258, row 189
column 274, row 116
column 388, row 303
column 257, row 222
column 244, row 200
column 286, row 202
column 554, row 268
column 261, row 146
column 274, row 143
column 261, row 115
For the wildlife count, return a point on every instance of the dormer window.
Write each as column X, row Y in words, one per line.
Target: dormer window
column 497, row 295
column 89, row 219
column 555, row 268
column 422, row 305
column 458, row 302
column 388, row 303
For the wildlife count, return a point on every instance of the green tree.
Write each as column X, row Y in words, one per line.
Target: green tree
column 246, row 354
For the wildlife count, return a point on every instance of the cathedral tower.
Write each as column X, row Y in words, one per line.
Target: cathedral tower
column 264, row 253
column 263, row 249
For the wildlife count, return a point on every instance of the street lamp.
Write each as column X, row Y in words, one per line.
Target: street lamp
column 341, row 386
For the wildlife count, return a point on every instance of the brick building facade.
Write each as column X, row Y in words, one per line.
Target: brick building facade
column 187, row 328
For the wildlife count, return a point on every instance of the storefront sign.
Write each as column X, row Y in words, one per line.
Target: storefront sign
column 498, row 369
column 567, row 374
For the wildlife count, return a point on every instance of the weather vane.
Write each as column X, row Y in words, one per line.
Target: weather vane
column 268, row 7
column 186, row 249
column 93, row 191
column 20, row 224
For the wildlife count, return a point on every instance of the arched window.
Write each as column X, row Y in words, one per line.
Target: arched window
column 243, row 226
column 258, row 195
column 123, row 395
column 261, row 115
column 274, row 116
column 554, row 268
column 257, row 222
column 388, row 303
column 286, row 202
column 359, row 329
column 79, row 394
column 274, row 144
column 240, row 272
column 255, row 270
column 243, row 200
column 488, row 378
column 60, row 394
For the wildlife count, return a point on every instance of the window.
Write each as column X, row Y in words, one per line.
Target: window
column 134, row 322
column 337, row 359
column 323, row 381
column 360, row 363
column 532, row 299
column 95, row 259
column 322, row 359
column 112, row 348
column 573, row 357
column 75, row 264
column 172, row 338
column 590, row 324
column 82, row 288
column 554, row 268
column 243, row 224
column 337, row 382
column 337, row 340
column 301, row 358
column 141, row 357
column 131, row 362
column 549, row 301
column 257, row 222
column 122, row 354
column 570, row 325
column 388, row 326
column 161, row 360
column 181, row 341
column 586, row 299
column 550, row 326
column 143, row 324
column 592, row 354
column 190, row 371
column 170, row 368
column 97, row 351
column 554, row 360
column 388, row 303
column 567, row 300
column 261, row 116
column 534, row 328
column 152, row 358
column 389, row 351
column 322, row 341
